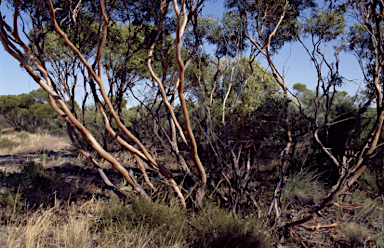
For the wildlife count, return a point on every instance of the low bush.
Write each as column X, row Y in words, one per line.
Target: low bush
column 303, row 188
column 7, row 143
column 34, row 174
column 353, row 235
column 11, row 206
column 170, row 225
column 167, row 221
column 214, row 227
column 23, row 135
column 372, row 181
column 11, row 200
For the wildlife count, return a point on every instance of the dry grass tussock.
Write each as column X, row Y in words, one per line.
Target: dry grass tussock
column 24, row 143
column 101, row 223
column 74, row 226
column 56, row 199
column 65, row 227
column 78, row 210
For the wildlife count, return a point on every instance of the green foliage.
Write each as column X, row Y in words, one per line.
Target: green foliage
column 33, row 174
column 43, row 157
column 326, row 24
column 120, row 59
column 28, row 112
column 300, row 88
column 252, row 88
column 42, row 110
column 168, row 221
column 303, row 188
column 12, row 200
column 340, row 109
column 225, row 34
column 363, row 46
column 6, row 143
column 214, row 227
column 22, row 135
column 211, row 227
column 372, row 181
column 266, row 14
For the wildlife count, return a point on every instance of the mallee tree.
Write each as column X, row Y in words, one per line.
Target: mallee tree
column 218, row 116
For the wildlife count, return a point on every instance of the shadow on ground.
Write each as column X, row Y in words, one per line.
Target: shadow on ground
column 33, row 185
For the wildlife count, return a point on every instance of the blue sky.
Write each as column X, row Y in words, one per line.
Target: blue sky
column 298, row 69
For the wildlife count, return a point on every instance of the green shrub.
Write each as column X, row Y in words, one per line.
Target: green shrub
column 303, row 188
column 23, row 135
column 353, row 234
column 371, row 181
column 7, row 143
column 34, row 173
column 10, row 199
column 10, row 204
column 380, row 240
column 168, row 222
column 214, row 227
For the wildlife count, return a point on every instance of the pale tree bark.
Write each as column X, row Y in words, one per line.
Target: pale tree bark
column 11, row 41
column 263, row 45
column 97, row 77
column 182, row 19
column 10, row 46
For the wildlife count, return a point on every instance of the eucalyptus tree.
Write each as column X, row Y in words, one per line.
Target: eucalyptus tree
column 358, row 151
column 28, row 112
column 244, row 113
column 268, row 25
column 88, row 51
column 235, row 97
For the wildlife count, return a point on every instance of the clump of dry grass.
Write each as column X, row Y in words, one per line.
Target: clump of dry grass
column 102, row 223
column 35, row 143
column 303, row 188
column 79, row 226
column 353, row 234
column 45, row 228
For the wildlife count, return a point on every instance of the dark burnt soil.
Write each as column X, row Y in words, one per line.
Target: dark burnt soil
column 42, row 179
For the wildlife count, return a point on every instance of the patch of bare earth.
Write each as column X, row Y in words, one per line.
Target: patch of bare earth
column 35, row 143
column 34, row 148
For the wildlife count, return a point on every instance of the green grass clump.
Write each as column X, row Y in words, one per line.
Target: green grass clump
column 6, row 143
column 170, row 225
column 354, row 234
column 167, row 222
column 214, row 227
column 11, row 200
column 380, row 240
column 33, row 173
column 23, row 135
column 303, row 188
column 371, row 181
